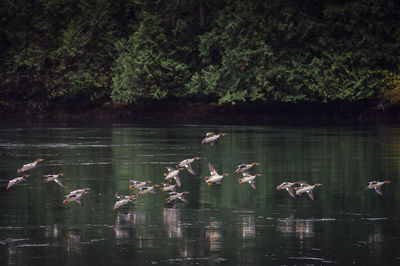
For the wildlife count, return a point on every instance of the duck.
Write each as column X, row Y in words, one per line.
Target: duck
column 138, row 184
column 248, row 178
column 123, row 200
column 173, row 174
column 211, row 137
column 243, row 168
column 214, row 176
column 167, row 187
column 377, row 186
column 55, row 178
column 289, row 188
column 76, row 196
column 187, row 164
column 145, row 190
column 176, row 195
column 29, row 166
column 16, row 180
column 306, row 188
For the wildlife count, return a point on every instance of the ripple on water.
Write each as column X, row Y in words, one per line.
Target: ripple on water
column 375, row 218
column 313, row 259
column 193, row 260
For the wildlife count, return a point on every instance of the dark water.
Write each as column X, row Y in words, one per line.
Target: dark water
column 224, row 224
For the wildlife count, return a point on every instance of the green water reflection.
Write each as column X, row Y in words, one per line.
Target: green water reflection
column 222, row 224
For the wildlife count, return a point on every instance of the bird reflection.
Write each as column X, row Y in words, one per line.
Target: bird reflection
column 376, row 239
column 13, row 255
column 52, row 231
column 213, row 233
column 172, row 222
column 248, row 227
column 124, row 223
column 74, row 241
column 121, row 226
column 302, row 228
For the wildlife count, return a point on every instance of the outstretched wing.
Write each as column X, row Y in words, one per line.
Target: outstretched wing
column 211, row 168
column 79, row 201
column 291, row 192
column 379, row 190
column 253, row 184
column 178, row 181
column 311, row 194
column 190, row 169
column 58, row 181
column 182, row 199
column 170, row 169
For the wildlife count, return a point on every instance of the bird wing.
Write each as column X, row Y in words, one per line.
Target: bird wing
column 379, row 190
column 211, row 168
column 79, row 201
column 170, row 169
column 310, row 193
column 58, row 181
column 291, row 192
column 253, row 184
column 190, row 169
column 182, row 199
column 178, row 181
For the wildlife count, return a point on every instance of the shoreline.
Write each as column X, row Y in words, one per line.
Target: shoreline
column 182, row 113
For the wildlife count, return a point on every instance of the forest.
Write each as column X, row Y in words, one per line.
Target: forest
column 57, row 53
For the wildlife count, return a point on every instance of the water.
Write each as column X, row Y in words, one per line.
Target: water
column 226, row 224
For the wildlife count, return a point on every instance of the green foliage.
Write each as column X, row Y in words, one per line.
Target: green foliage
column 283, row 51
column 228, row 51
column 147, row 67
column 61, row 50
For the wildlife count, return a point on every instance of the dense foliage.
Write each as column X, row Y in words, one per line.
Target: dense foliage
column 93, row 51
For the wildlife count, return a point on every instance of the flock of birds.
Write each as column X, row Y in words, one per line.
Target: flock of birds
column 294, row 189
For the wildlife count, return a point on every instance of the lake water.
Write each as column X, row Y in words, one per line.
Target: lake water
column 224, row 224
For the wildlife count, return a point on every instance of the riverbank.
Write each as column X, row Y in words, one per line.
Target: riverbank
column 178, row 112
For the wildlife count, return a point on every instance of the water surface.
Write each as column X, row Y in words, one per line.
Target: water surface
column 225, row 224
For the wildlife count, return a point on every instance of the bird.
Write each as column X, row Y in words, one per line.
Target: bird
column 138, row 184
column 167, row 187
column 214, row 176
column 248, row 178
column 123, row 200
column 29, row 166
column 187, row 164
column 211, row 137
column 175, row 196
column 76, row 196
column 242, row 168
column 145, row 190
column 306, row 188
column 55, row 178
column 289, row 188
column 16, row 180
column 173, row 174
column 377, row 186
